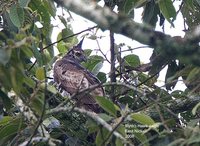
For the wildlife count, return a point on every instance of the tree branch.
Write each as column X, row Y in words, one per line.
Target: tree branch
column 112, row 67
column 93, row 116
column 107, row 19
column 177, row 106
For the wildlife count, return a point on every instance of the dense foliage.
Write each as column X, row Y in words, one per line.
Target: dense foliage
column 136, row 110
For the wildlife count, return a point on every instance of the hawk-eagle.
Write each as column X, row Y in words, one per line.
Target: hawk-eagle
column 70, row 76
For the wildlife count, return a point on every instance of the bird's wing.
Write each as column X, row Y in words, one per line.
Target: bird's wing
column 69, row 77
column 72, row 77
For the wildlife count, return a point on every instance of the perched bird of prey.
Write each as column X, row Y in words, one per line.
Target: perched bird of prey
column 70, row 77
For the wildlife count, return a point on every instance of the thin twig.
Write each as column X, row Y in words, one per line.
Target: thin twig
column 151, row 76
column 32, row 65
column 102, row 51
column 131, row 49
column 180, row 7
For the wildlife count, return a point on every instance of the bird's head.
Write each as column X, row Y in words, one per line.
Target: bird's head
column 77, row 52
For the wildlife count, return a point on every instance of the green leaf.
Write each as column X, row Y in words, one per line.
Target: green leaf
column 37, row 103
column 11, row 128
column 52, row 89
column 167, row 9
column 68, row 43
column 8, row 133
column 7, row 103
column 194, row 139
column 126, row 100
column 190, row 12
column 177, row 142
column 139, row 3
column 49, row 5
column 132, row 60
column 37, row 54
column 146, row 78
column 189, row 4
column 87, row 52
column 11, row 26
column 23, row 3
column 118, row 142
column 150, row 13
column 194, row 110
column 38, row 5
column 193, row 75
column 198, row 1
column 107, row 105
column 92, row 126
column 141, row 137
column 178, row 94
column 142, row 118
column 92, row 37
column 121, row 129
column 63, row 20
column 126, row 6
column 16, row 75
column 61, row 47
column 66, row 32
column 171, row 78
column 5, row 120
column 5, row 55
column 16, row 15
column 97, row 68
column 105, row 117
column 94, row 63
column 101, row 136
column 102, row 77
column 40, row 73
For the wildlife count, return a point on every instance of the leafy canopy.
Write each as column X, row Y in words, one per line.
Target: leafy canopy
column 136, row 110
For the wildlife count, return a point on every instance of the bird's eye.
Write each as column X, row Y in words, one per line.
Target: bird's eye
column 78, row 54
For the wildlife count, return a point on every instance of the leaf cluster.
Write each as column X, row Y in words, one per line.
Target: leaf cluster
column 141, row 114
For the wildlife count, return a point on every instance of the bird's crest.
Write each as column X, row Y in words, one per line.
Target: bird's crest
column 77, row 52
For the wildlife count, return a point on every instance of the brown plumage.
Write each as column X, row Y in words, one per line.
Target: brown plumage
column 71, row 77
